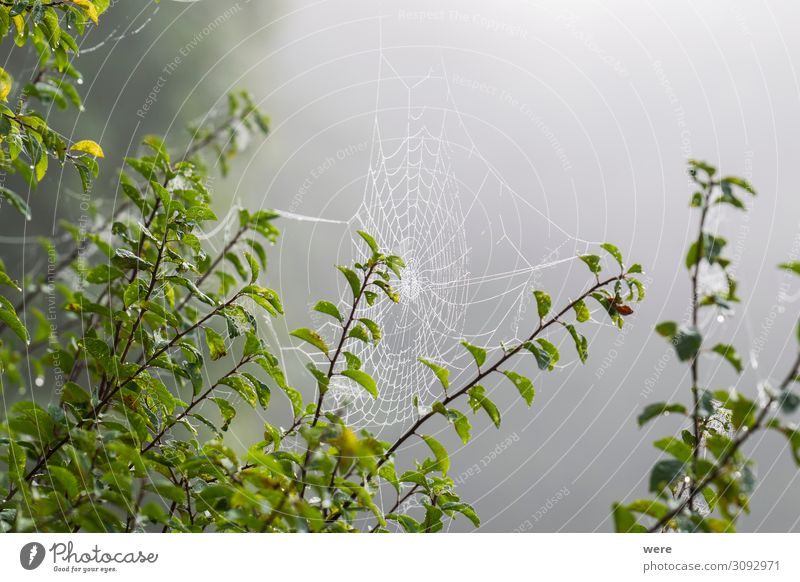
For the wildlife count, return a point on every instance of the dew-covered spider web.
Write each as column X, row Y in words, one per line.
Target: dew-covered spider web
column 430, row 196
column 412, row 206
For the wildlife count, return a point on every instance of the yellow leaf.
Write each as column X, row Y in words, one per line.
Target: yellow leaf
column 6, row 82
column 41, row 167
column 88, row 7
column 19, row 23
column 89, row 147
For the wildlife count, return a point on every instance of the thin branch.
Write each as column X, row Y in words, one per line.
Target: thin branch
column 195, row 401
column 543, row 325
column 719, row 467
column 332, row 367
column 695, row 365
column 93, row 416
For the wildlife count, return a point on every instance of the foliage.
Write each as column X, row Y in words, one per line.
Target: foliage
column 27, row 142
column 705, row 480
column 127, row 323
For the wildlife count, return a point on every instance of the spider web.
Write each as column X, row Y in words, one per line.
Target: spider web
column 412, row 205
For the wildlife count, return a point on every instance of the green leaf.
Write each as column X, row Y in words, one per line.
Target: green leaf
column 718, row 444
column 353, row 361
column 667, row 329
column 329, row 308
column 254, row 268
column 374, row 329
column 791, row 267
column 191, row 286
column 311, row 337
column 649, row 507
column 242, row 387
column 743, row 411
column 478, row 353
column 443, row 374
column 67, row 482
column 552, row 352
column 16, row 201
column 664, row 474
column 409, row 524
column 687, row 343
column 542, row 357
column 266, row 298
column 388, row 473
column 593, row 262
column 635, row 268
column 364, row 379
column 675, row 447
column 396, row 264
column 125, row 259
column 523, row 384
column 216, row 345
column 686, row 339
column 729, row 353
column 72, row 393
column 370, row 241
column 16, row 461
column 439, row 452
column 227, row 412
column 459, row 420
column 360, row 332
column 709, row 249
column 788, row 402
column 582, row 313
column 322, row 378
column 543, row 303
column 614, row 252
column 581, row 343
column 478, row 400
column 695, row 165
column 103, row 274
column 743, row 184
column 8, row 315
column 352, row 280
column 625, row 521
column 101, row 352
column 792, row 434
column 464, row 509
column 653, row 410
column 462, row 425
column 8, row 281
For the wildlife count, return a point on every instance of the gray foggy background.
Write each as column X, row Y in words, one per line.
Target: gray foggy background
column 556, row 125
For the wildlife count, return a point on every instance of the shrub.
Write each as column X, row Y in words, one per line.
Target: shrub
column 126, row 320
column 705, row 482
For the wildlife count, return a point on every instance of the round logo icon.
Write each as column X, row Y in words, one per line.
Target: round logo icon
column 31, row 555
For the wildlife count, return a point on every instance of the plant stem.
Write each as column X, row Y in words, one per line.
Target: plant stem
column 332, row 368
column 195, row 401
column 543, row 325
column 93, row 416
column 695, row 366
column 719, row 467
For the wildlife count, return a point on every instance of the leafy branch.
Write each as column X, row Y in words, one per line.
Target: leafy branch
column 689, row 488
